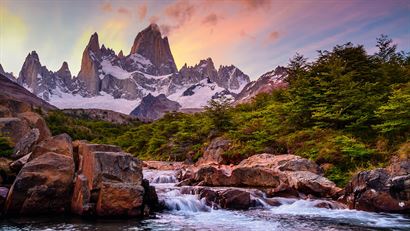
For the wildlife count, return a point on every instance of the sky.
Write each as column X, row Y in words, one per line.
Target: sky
column 254, row 35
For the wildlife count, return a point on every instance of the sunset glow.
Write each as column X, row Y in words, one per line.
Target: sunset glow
column 253, row 35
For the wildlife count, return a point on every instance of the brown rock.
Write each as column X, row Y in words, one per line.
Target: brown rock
column 36, row 121
column 310, row 183
column 42, row 187
column 17, row 165
column 60, row 144
column 119, row 199
column 109, row 182
column 380, row 190
column 213, row 153
column 235, row 199
column 14, row 128
column 281, row 162
column 25, row 145
column 81, row 203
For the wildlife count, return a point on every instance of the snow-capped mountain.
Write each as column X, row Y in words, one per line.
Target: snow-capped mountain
column 113, row 81
column 264, row 84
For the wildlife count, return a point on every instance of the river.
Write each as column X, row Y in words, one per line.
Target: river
column 187, row 212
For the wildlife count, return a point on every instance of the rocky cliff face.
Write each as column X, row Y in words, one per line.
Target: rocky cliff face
column 153, row 108
column 264, row 84
column 89, row 66
column 150, row 44
column 110, row 81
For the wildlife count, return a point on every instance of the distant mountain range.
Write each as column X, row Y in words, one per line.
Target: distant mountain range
column 146, row 82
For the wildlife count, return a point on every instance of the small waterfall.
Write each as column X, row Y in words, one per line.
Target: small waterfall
column 175, row 201
column 164, row 179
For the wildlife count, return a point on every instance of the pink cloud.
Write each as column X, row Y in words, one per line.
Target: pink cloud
column 142, row 11
column 124, row 11
column 106, row 7
column 211, row 19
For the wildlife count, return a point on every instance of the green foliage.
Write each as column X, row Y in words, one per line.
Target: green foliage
column 218, row 112
column 395, row 114
column 6, row 146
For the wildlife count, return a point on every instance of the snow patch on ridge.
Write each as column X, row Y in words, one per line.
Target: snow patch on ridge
column 115, row 71
column 203, row 92
column 64, row 100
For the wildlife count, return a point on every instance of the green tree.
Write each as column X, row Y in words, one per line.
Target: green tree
column 395, row 114
column 218, row 112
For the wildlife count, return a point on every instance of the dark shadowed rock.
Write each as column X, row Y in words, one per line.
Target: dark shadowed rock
column 153, row 108
column 26, row 143
column 18, row 164
column 14, row 128
column 381, row 190
column 235, row 199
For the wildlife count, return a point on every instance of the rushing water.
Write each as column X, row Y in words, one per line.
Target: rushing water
column 187, row 212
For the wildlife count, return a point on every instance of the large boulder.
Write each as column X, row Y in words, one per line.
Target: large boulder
column 282, row 174
column 313, row 184
column 281, row 162
column 235, row 199
column 213, row 153
column 36, row 121
column 109, row 182
column 43, row 186
column 61, row 144
column 381, row 190
column 119, row 199
column 14, row 127
column 25, row 145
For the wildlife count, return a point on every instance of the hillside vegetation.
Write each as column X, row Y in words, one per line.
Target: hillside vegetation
column 347, row 110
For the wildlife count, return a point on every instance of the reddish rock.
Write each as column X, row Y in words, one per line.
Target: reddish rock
column 61, row 144
column 80, row 202
column 43, row 186
column 89, row 67
column 109, row 182
column 119, row 199
column 235, row 199
column 213, row 153
column 36, row 121
column 280, row 175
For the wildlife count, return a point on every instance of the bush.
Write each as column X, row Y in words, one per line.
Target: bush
column 6, row 147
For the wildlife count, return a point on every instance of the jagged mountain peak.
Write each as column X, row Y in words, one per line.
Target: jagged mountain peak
column 32, row 56
column 93, row 44
column 64, row 67
column 150, row 44
column 120, row 54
